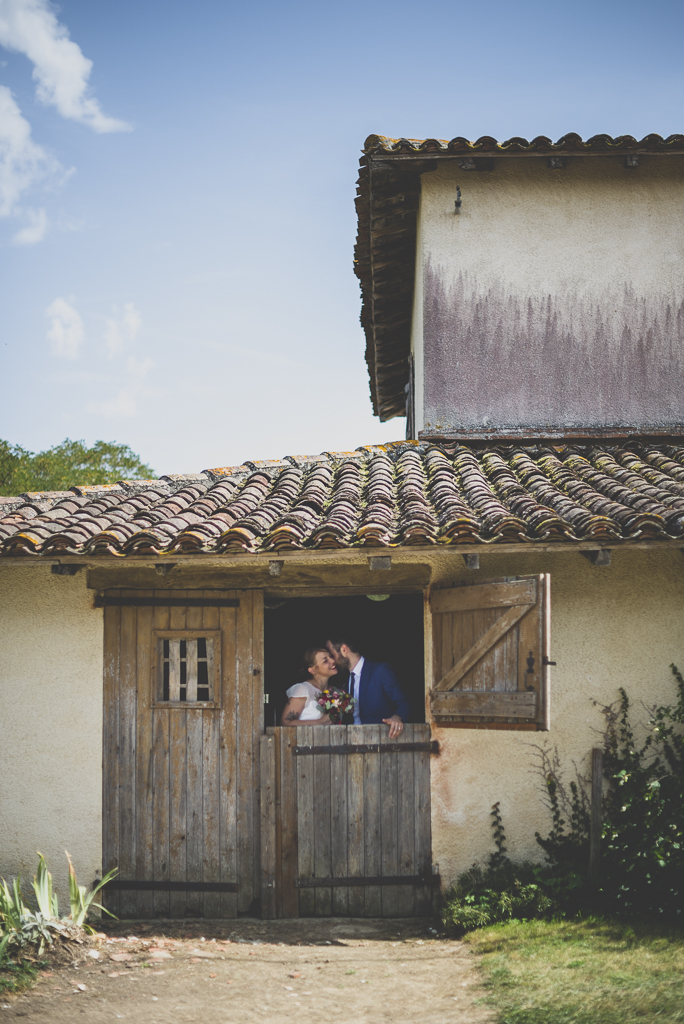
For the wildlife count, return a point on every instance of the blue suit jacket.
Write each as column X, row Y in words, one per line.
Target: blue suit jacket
column 380, row 695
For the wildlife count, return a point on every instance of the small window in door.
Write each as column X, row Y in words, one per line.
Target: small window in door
column 186, row 670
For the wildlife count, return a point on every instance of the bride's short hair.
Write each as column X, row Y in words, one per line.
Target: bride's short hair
column 310, row 656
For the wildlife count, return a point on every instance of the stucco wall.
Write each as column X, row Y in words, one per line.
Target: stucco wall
column 620, row 625
column 51, row 748
column 555, row 297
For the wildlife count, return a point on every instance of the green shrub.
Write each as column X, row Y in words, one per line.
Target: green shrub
column 22, row 928
column 502, row 891
column 642, row 851
column 642, row 844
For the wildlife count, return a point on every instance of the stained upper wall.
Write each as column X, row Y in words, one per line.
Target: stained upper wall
column 554, row 300
column 581, row 263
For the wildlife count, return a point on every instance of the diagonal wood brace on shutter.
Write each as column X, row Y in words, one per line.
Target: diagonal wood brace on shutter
column 477, row 652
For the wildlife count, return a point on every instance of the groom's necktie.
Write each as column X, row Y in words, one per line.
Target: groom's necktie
column 353, row 689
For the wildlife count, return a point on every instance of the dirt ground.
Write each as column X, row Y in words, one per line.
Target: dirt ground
column 237, row 972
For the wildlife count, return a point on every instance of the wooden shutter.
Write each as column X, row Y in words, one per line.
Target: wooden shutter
column 491, row 653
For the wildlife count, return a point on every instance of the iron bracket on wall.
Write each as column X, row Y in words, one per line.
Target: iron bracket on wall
column 121, row 883
column 116, row 601
column 319, row 883
column 429, row 746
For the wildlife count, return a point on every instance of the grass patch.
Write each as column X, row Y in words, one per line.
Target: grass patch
column 16, row 977
column 582, row 972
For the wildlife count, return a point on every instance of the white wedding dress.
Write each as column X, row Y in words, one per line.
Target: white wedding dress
column 311, row 710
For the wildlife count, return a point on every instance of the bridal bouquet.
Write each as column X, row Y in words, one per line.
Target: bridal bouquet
column 335, row 703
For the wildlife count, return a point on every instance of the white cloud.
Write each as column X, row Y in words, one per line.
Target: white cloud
column 118, row 332
column 34, row 230
column 125, row 402
column 22, row 161
column 60, row 69
column 66, row 330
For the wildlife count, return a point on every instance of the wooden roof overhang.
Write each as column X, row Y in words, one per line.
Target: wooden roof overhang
column 388, row 194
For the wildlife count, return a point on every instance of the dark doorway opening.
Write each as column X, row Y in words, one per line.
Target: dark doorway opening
column 390, row 630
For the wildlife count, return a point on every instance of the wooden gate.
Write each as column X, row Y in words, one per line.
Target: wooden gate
column 183, row 710
column 345, row 822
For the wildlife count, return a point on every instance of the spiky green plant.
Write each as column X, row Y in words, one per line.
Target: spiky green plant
column 46, row 898
column 80, row 899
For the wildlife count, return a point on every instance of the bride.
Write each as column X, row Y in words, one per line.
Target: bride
column 301, row 707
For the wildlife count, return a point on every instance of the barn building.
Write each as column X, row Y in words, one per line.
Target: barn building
column 517, row 558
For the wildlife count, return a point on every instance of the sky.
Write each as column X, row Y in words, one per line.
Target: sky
column 177, row 188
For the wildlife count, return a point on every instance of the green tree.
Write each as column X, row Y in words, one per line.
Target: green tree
column 67, row 464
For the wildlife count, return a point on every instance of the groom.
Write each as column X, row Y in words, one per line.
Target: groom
column 373, row 685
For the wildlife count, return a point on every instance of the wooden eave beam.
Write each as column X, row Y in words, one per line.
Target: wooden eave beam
column 400, row 555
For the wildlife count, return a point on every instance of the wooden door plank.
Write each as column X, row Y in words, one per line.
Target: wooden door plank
column 422, row 821
column 438, row 625
column 340, row 767
column 488, row 703
column 482, row 620
column 214, row 685
column 306, row 864
column 463, row 626
column 482, row 645
column 322, row 819
column 245, row 740
column 211, row 867
column 354, row 767
column 174, row 664
column 529, row 652
column 144, row 774
column 211, row 785
column 268, row 826
column 449, row 654
column 227, row 621
column 195, row 776
column 191, row 657
column 483, row 595
column 545, row 604
column 257, row 598
column 111, row 813
column 289, row 800
column 406, row 811
column 495, row 666
column 389, row 818
column 178, row 762
column 278, row 735
column 128, row 901
column 372, row 808
column 511, row 643
column 162, row 794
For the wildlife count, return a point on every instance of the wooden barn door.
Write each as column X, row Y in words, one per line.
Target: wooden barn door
column 183, row 710
column 346, row 822
column 491, row 653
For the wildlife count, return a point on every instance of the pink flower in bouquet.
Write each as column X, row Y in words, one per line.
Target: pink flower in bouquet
column 335, row 703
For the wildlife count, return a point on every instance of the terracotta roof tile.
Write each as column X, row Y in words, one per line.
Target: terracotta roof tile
column 400, row 494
